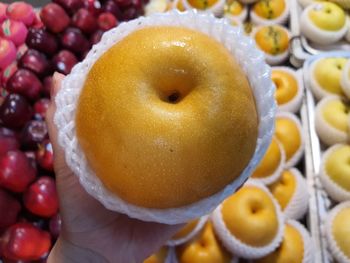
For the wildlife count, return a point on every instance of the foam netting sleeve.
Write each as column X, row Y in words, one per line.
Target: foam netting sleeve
column 309, row 248
column 298, row 205
column 334, row 190
column 240, row 46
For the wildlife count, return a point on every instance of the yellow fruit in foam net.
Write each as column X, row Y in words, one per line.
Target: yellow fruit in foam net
column 286, row 86
column 273, row 40
column 328, row 16
column 269, row 9
column 233, row 8
column 202, row 4
column 270, row 162
column 158, row 117
column 287, row 132
column 250, row 216
column 284, row 189
column 290, row 250
column 341, row 230
column 205, row 248
column 327, row 73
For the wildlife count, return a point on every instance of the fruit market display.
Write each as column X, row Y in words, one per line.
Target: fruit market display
column 265, row 20
column 34, row 44
column 329, row 87
column 258, row 222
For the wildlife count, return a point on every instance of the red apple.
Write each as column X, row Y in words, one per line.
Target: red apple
column 14, row 31
column 64, row 61
column 74, row 40
column 106, row 21
column 111, row 7
column 93, row 6
column 24, row 82
column 9, row 209
column 41, row 197
column 36, row 62
column 7, row 53
column 41, row 40
column 85, row 21
column 8, row 72
column 15, row 111
column 8, row 141
column 71, row 6
column 24, row 241
column 54, row 17
column 40, row 108
column 33, row 133
column 44, row 155
column 3, row 15
column 96, row 37
column 21, row 11
column 16, row 171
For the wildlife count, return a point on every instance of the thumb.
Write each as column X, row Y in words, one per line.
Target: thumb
column 57, row 150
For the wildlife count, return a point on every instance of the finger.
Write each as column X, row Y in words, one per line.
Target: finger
column 57, row 78
column 58, row 151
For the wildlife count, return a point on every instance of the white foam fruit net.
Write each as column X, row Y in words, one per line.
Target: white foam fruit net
column 240, row 46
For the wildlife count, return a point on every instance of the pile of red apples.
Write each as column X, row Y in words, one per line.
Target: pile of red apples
column 33, row 45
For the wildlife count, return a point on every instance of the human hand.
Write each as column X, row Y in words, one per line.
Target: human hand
column 90, row 232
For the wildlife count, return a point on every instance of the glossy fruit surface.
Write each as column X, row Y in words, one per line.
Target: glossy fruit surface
column 211, row 151
column 36, row 62
column 85, row 21
column 54, row 17
column 74, row 40
column 64, row 61
column 251, row 216
column 41, row 197
column 41, row 40
column 25, row 83
column 24, row 241
column 44, row 156
column 15, row 111
column 16, row 172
